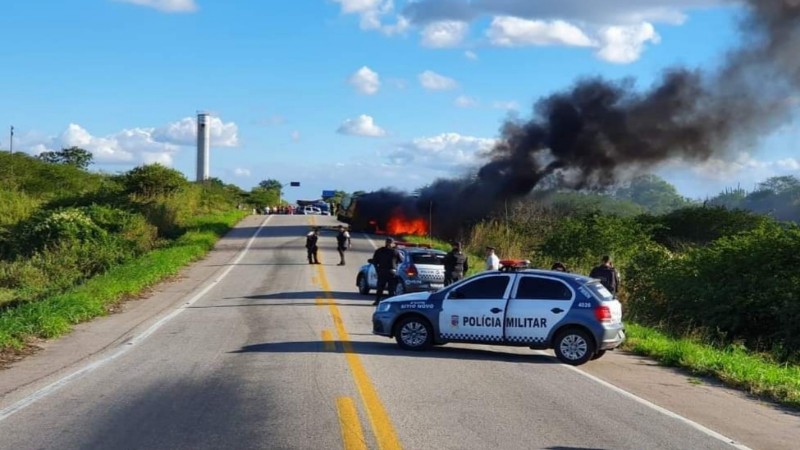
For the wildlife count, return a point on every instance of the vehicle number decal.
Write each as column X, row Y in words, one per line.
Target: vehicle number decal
column 584, row 305
column 416, row 306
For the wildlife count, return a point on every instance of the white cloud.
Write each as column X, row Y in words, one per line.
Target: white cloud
column 744, row 166
column 506, row 105
column 240, row 172
column 365, row 81
column 444, row 34
column 134, row 145
column 172, row 6
column 510, row 31
column 624, row 44
column 296, row 136
column 371, row 14
column 448, row 152
column 433, row 81
column 363, row 125
column 619, row 44
column 464, row 101
column 184, row 132
column 471, row 55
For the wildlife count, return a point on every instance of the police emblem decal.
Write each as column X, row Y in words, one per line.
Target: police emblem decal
column 454, row 321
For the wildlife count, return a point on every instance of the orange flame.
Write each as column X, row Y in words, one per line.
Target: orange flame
column 399, row 224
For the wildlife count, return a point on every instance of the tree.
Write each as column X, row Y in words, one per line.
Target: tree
column 270, row 185
column 153, row 179
column 653, row 193
column 73, row 156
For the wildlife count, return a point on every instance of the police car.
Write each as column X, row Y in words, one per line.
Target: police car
column 421, row 269
column 516, row 306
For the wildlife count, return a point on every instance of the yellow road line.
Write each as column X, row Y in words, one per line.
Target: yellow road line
column 352, row 435
column 327, row 341
column 379, row 420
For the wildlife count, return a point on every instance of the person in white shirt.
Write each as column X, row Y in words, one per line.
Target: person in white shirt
column 492, row 260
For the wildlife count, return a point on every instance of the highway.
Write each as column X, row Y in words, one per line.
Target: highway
column 271, row 352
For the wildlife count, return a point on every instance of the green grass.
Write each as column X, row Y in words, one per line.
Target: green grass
column 55, row 316
column 733, row 365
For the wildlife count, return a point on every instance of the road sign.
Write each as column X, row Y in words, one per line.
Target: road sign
column 328, row 194
column 294, row 183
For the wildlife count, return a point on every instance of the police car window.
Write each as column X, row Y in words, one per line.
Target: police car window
column 428, row 258
column 598, row 289
column 484, row 288
column 536, row 288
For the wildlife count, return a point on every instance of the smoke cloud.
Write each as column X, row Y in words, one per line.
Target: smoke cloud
column 592, row 134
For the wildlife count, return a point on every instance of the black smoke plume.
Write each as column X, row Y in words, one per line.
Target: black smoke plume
column 597, row 131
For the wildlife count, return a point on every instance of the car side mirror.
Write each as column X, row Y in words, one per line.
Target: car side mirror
column 370, row 261
column 455, row 293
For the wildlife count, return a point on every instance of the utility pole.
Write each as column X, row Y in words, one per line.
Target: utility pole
column 11, row 141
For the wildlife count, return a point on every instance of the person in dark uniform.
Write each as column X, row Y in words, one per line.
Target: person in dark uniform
column 455, row 264
column 342, row 243
column 607, row 275
column 311, row 246
column 385, row 260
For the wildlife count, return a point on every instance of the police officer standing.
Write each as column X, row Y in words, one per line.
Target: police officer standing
column 455, row 265
column 607, row 275
column 311, row 246
column 342, row 243
column 385, row 260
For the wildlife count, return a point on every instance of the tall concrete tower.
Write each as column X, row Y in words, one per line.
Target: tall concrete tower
column 203, row 145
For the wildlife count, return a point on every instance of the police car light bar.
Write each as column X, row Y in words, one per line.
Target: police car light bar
column 514, row 264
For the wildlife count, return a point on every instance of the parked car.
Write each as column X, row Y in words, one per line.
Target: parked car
column 421, row 269
column 311, row 210
column 572, row 314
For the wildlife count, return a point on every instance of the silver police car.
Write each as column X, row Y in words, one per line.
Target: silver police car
column 572, row 314
column 421, row 269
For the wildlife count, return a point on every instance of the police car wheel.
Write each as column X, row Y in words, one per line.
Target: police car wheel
column 363, row 286
column 598, row 354
column 414, row 333
column 574, row 347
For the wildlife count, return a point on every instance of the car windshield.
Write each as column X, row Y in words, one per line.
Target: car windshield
column 428, row 258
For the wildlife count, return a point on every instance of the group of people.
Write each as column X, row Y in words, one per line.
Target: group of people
column 605, row 272
column 456, row 263
column 312, row 244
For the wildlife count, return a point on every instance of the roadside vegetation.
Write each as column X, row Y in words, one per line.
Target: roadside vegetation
column 73, row 244
column 713, row 287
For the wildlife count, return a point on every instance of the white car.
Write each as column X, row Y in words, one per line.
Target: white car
column 310, row 210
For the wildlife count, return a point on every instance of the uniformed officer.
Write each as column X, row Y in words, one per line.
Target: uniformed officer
column 455, row 265
column 342, row 243
column 385, row 260
column 311, row 246
column 607, row 275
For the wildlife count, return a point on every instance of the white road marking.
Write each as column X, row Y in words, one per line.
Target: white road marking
column 55, row 386
column 655, row 407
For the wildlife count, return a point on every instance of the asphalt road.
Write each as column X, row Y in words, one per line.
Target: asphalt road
column 277, row 353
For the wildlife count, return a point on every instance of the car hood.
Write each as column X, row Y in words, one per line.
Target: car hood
column 411, row 297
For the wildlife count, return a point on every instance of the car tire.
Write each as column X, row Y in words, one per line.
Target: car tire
column 363, row 285
column 598, row 354
column 414, row 333
column 400, row 289
column 574, row 346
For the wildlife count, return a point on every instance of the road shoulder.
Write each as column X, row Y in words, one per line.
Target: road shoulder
column 89, row 341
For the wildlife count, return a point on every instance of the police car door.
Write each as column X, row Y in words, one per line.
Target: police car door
column 537, row 305
column 474, row 310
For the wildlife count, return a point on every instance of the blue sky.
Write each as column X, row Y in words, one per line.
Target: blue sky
column 340, row 94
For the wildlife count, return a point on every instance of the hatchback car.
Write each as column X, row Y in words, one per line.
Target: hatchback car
column 421, row 269
column 572, row 314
